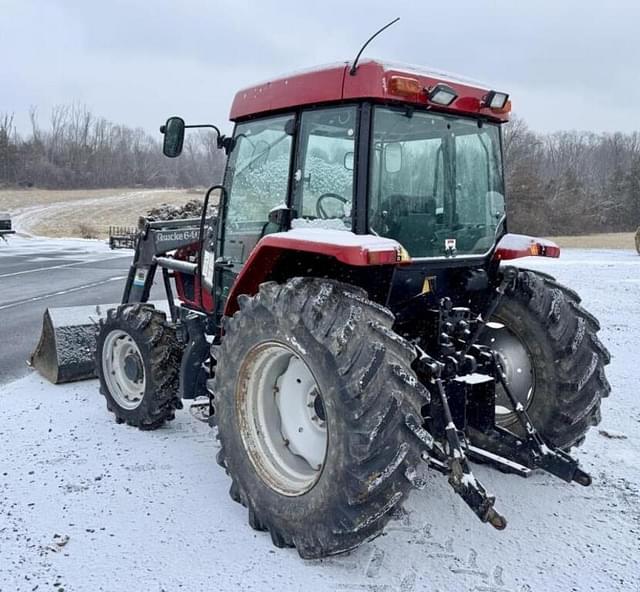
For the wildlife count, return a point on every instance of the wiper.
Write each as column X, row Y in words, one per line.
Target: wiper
column 265, row 151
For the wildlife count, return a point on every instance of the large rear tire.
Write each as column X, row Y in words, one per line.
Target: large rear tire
column 354, row 373
column 552, row 357
column 138, row 364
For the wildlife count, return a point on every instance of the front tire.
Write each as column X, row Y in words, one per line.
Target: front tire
column 338, row 344
column 553, row 360
column 138, row 363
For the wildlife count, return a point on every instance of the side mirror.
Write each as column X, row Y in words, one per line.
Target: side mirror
column 392, row 157
column 348, row 161
column 173, row 132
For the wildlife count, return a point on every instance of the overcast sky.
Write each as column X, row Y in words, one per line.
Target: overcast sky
column 567, row 64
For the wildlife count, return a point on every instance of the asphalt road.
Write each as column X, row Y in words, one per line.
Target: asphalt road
column 39, row 273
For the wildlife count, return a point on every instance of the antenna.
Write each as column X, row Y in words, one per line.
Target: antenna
column 354, row 67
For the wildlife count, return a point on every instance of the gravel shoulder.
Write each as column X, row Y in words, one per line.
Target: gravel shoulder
column 150, row 511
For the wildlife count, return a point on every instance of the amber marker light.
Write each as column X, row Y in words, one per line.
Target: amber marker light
column 403, row 85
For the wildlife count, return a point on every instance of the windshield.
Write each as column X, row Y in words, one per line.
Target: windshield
column 436, row 182
column 258, row 171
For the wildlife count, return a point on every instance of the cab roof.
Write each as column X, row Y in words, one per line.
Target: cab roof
column 373, row 80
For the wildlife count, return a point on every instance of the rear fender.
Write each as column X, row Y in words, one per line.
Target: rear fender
column 515, row 246
column 346, row 248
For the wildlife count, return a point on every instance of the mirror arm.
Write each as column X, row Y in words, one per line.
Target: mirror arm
column 210, row 125
column 222, row 141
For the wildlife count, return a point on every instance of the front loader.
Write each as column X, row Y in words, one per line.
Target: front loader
column 351, row 317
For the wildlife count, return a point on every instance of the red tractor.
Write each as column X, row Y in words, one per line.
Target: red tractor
column 348, row 314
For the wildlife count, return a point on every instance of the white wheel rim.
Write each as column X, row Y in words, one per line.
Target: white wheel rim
column 119, row 352
column 281, row 417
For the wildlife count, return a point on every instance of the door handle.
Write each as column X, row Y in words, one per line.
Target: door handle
column 222, row 263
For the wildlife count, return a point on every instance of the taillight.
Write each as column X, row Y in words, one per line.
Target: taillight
column 388, row 256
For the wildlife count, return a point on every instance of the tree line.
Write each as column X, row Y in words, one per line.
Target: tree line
column 77, row 150
column 557, row 183
column 571, row 182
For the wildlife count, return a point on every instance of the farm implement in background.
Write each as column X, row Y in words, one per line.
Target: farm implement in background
column 122, row 237
column 5, row 225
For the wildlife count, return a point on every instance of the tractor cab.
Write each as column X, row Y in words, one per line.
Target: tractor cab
column 391, row 152
column 431, row 181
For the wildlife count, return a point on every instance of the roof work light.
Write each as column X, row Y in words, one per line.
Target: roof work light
column 496, row 100
column 441, row 94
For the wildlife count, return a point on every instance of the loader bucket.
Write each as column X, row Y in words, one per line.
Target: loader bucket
column 65, row 352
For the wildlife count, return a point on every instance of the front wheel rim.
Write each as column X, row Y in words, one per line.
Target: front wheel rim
column 123, row 369
column 282, row 419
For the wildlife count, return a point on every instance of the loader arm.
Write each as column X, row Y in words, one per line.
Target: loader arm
column 156, row 241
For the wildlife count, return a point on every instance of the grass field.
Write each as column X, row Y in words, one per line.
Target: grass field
column 84, row 213
column 610, row 240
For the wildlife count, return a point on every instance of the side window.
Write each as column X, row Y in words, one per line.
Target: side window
column 407, row 176
column 325, row 166
column 257, row 181
column 478, row 187
column 472, row 178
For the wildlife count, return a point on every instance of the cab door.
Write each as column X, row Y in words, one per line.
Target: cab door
column 257, row 180
column 324, row 174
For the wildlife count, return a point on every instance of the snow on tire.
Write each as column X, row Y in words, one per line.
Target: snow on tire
column 362, row 374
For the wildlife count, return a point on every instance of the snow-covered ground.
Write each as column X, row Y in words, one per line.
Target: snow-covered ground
column 150, row 511
column 63, row 248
